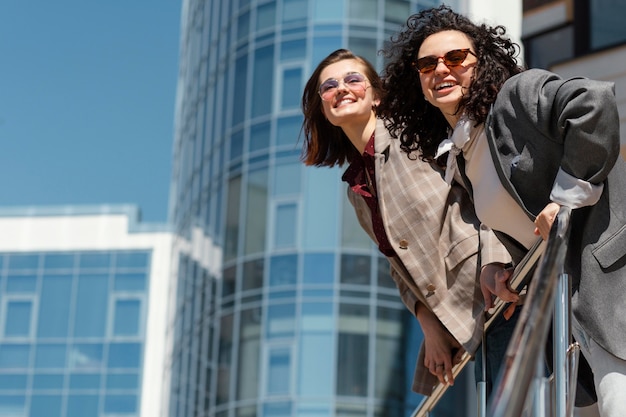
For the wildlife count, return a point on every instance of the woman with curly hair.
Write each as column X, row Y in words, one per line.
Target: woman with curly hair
column 525, row 143
column 426, row 228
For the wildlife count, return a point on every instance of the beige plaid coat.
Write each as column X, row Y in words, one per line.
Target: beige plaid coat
column 435, row 234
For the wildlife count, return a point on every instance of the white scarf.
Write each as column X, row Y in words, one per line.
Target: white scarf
column 454, row 144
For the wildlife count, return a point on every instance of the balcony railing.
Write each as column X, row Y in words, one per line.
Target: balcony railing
column 522, row 388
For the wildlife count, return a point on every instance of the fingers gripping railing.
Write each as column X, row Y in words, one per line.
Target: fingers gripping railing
column 512, row 391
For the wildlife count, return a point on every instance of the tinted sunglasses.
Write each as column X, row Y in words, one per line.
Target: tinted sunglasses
column 354, row 81
column 452, row 58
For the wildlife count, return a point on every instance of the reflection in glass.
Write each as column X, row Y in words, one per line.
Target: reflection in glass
column 125, row 381
column 10, row 382
column 355, row 269
column 288, row 130
column 249, row 351
column 260, row 136
column 224, row 359
column 279, row 371
column 353, row 350
column 279, row 409
column 95, row 260
column 86, row 356
column 292, row 79
column 48, row 381
column 252, row 274
column 389, row 369
column 58, row 261
column 280, row 320
column 12, row 405
column 256, row 211
column 231, row 240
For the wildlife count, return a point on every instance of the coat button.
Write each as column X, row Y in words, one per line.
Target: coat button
column 404, row 244
column 431, row 288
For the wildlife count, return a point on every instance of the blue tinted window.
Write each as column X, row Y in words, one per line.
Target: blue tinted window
column 236, row 145
column 91, row 305
column 260, row 136
column 281, row 320
column 277, row 410
column 286, row 225
column 95, row 260
column 124, row 355
column 120, row 404
column 240, row 96
column 127, row 314
column 12, row 405
column 316, row 370
column 266, row 16
column 18, row 318
column 243, row 26
column 14, row 356
column 319, row 268
column 122, row 381
column 48, row 381
column 45, row 406
column 283, row 270
column 322, row 45
column 278, row 377
column 21, row 283
column 287, row 179
column 129, row 281
column 86, row 356
column 85, row 381
column 50, row 355
column 293, row 49
column 132, row 259
column 54, row 306
column 292, row 79
column 263, row 83
column 26, row 262
column 58, row 261
column 82, row 406
column 288, row 130
column 12, row 381
column 295, row 10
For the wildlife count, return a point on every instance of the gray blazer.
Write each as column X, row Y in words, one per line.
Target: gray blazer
column 435, row 234
column 541, row 124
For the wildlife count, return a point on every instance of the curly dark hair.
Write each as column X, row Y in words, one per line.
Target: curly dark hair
column 324, row 143
column 422, row 125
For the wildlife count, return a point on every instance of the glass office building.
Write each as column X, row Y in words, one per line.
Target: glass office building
column 283, row 305
column 81, row 331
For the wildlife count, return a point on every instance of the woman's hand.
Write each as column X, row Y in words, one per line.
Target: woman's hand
column 442, row 351
column 494, row 282
column 544, row 220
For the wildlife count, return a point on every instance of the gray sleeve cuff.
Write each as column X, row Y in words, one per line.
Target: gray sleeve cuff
column 573, row 192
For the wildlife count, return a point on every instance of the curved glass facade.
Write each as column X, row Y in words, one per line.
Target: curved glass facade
column 283, row 305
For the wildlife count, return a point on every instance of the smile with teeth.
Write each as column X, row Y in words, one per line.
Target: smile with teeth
column 345, row 100
column 447, row 84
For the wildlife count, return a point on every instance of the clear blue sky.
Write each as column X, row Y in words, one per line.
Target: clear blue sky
column 87, row 97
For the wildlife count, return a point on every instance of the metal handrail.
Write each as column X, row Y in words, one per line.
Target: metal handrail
column 518, row 281
column 528, row 341
column 513, row 385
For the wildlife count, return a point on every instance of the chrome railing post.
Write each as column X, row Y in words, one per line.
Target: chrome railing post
column 562, row 340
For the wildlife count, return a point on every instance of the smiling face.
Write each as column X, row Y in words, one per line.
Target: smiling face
column 445, row 86
column 350, row 104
